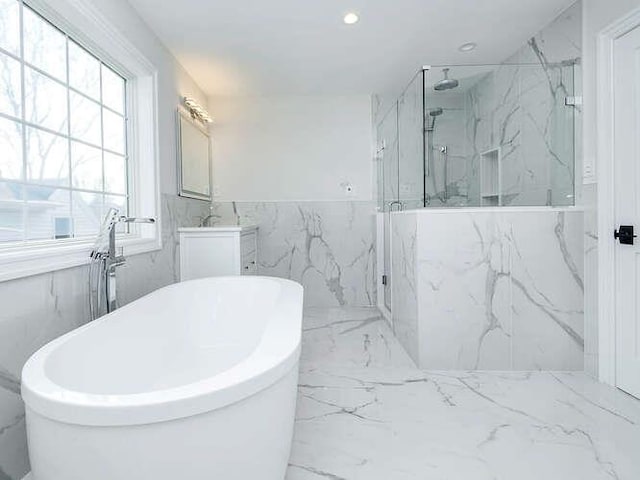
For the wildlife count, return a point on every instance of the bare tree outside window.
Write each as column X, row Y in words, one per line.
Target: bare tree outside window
column 63, row 155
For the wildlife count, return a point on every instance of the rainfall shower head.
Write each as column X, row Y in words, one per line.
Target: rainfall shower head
column 446, row 83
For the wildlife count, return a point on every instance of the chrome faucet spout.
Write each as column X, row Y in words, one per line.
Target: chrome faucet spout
column 137, row 220
column 205, row 221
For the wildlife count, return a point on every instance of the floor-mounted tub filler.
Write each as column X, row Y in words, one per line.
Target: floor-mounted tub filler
column 196, row 380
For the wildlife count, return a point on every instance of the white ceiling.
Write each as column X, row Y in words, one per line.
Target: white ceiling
column 263, row 47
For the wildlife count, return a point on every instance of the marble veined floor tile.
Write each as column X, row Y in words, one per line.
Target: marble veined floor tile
column 386, row 419
column 350, row 337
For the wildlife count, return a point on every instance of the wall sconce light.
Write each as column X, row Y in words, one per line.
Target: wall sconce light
column 196, row 111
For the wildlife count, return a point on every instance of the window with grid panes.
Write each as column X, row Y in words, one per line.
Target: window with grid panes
column 63, row 135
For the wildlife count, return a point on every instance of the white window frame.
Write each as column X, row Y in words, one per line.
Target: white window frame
column 83, row 22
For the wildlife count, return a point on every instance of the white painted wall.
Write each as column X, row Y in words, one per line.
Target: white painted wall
column 597, row 15
column 292, row 148
column 173, row 81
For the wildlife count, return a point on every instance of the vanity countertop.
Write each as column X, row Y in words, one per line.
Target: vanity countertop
column 220, row 228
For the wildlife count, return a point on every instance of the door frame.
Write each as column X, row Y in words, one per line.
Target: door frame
column 605, row 116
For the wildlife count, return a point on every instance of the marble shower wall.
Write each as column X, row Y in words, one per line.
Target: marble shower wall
column 449, row 133
column 521, row 110
column 517, row 107
column 327, row 246
column 37, row 309
column 496, row 290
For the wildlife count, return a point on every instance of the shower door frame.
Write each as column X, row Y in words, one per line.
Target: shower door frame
column 396, row 202
column 425, row 140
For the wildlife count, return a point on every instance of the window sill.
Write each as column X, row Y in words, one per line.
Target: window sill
column 37, row 260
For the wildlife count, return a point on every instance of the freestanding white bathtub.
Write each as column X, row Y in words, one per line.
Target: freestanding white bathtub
column 194, row 381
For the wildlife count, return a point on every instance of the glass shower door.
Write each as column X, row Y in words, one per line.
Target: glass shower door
column 401, row 155
column 389, row 168
column 563, row 134
column 411, row 145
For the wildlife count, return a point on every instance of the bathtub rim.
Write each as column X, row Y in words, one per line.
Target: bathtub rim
column 274, row 356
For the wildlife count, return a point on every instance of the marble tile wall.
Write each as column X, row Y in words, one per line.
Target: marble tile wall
column 327, row 246
column 521, row 110
column 496, row 290
column 404, row 276
column 449, row 132
column 590, row 197
column 145, row 273
column 37, row 309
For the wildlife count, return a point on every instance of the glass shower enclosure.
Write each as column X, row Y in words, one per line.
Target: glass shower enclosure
column 465, row 136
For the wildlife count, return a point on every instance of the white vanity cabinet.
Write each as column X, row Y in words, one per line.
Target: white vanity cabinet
column 218, row 251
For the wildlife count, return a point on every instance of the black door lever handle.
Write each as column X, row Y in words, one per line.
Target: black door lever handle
column 624, row 235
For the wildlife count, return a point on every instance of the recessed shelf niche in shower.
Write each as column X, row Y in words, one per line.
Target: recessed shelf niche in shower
column 490, row 178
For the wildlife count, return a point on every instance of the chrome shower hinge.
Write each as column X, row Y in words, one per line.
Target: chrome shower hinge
column 573, row 101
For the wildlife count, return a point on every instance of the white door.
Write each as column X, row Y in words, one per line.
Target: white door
column 627, row 209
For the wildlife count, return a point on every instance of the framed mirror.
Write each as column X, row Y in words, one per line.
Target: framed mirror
column 194, row 158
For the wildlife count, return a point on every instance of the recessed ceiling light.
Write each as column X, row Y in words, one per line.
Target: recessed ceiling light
column 351, row 18
column 467, row 47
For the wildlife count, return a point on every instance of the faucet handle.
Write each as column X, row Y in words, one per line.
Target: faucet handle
column 119, row 261
column 205, row 221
